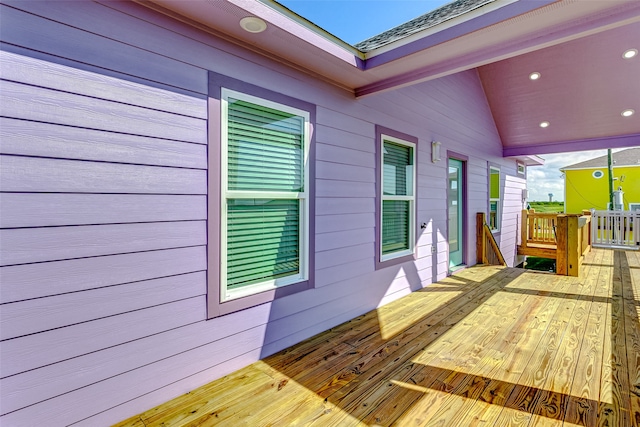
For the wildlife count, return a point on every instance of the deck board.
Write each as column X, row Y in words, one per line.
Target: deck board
column 487, row 346
column 583, row 396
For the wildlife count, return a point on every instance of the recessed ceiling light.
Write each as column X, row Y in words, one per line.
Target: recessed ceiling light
column 628, row 113
column 253, row 24
column 544, row 124
column 628, row 54
column 534, row 76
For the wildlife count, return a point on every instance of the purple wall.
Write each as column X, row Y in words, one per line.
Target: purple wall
column 104, row 191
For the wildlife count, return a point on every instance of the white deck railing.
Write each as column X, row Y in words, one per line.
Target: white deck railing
column 615, row 229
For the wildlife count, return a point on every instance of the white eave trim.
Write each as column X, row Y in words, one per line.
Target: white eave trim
column 531, row 160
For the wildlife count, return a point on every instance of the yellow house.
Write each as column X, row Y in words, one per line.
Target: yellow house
column 586, row 184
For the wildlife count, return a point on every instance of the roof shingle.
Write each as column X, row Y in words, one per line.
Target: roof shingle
column 428, row 20
column 629, row 157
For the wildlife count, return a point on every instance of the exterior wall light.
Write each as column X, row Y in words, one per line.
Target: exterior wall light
column 435, row 151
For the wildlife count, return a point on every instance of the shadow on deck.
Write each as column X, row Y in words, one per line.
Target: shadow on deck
column 489, row 345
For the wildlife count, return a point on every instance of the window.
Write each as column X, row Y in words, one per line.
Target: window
column 494, row 198
column 260, row 195
column 521, row 168
column 396, row 200
column 634, row 206
column 264, row 198
column 597, row 174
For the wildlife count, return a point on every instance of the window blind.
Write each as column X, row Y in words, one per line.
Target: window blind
column 397, row 188
column 265, row 154
column 397, row 159
column 265, row 148
column 395, row 225
column 262, row 240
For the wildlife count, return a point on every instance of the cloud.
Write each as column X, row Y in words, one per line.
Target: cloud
column 542, row 180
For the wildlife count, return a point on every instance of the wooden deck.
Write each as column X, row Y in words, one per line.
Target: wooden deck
column 490, row 346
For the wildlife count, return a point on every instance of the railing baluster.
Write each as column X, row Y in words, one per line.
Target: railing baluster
column 620, row 229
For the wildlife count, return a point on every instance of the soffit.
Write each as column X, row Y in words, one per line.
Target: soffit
column 504, row 32
column 585, row 85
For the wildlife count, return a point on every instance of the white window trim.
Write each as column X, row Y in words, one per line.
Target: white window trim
column 521, row 168
column 303, row 197
column 633, row 206
column 411, row 199
column 495, row 168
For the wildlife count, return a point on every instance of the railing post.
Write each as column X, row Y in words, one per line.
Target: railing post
column 587, row 213
column 480, row 240
column 523, row 228
column 595, row 227
column 561, row 246
column 586, row 233
column 573, row 246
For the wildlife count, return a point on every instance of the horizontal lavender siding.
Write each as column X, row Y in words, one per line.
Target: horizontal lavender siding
column 104, row 188
column 27, row 281
column 103, row 195
column 32, row 245
column 54, row 76
column 30, row 31
column 21, row 209
column 27, row 138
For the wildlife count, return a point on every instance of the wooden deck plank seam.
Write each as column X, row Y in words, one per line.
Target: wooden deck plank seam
column 488, row 346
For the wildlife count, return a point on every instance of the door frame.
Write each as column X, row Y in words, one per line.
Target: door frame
column 465, row 244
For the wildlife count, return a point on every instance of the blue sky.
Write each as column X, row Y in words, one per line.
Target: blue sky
column 356, row 20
